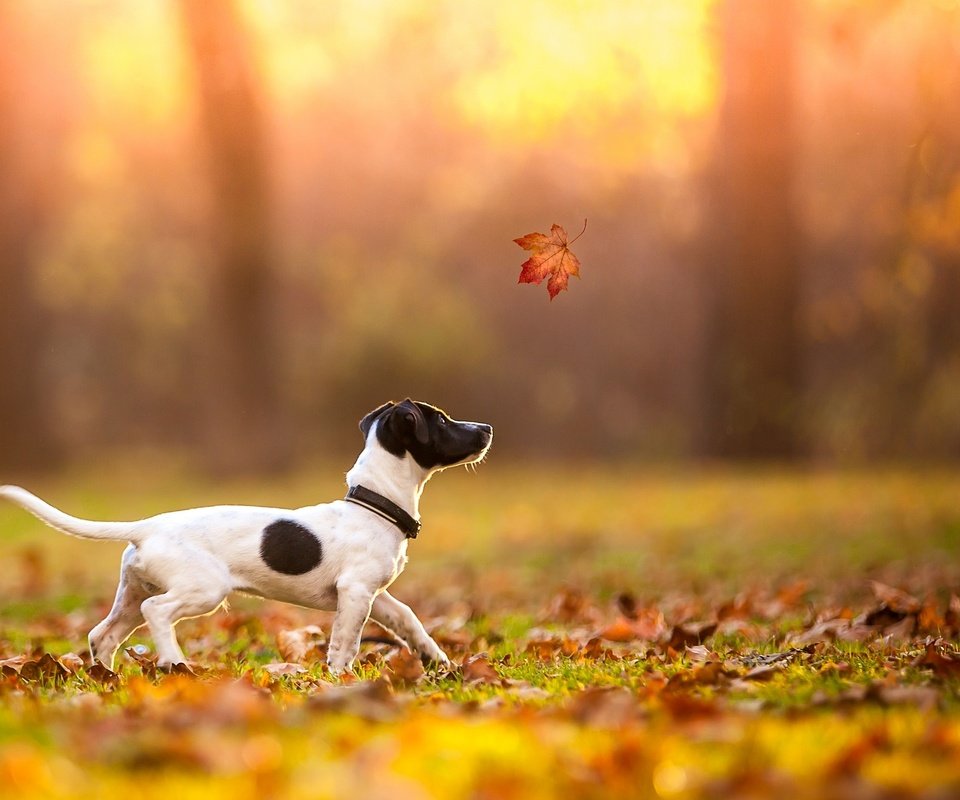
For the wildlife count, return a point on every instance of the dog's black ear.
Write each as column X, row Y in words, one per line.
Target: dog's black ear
column 367, row 422
column 413, row 419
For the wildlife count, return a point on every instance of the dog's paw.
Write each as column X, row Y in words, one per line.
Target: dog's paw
column 435, row 659
column 339, row 668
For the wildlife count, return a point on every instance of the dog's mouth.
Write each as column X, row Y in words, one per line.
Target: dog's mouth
column 478, row 454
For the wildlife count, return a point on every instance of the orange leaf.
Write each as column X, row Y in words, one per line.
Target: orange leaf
column 550, row 256
column 621, row 630
column 477, row 669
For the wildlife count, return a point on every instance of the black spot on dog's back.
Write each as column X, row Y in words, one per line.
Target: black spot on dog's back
column 289, row 547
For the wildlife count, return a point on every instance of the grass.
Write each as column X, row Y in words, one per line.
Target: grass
column 499, row 554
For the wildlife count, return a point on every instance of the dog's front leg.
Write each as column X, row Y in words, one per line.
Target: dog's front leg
column 353, row 608
column 400, row 619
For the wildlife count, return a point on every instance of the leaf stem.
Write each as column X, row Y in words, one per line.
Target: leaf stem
column 579, row 234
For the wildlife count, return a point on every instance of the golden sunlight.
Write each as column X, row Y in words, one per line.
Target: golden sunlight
column 571, row 62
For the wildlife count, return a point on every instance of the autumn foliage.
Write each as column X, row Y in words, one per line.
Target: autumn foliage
column 799, row 668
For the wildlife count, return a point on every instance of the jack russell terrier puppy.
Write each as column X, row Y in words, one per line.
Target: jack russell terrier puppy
column 335, row 556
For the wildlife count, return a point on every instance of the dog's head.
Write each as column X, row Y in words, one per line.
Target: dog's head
column 429, row 435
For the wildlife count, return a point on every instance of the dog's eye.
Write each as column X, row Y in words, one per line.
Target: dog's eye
column 442, row 420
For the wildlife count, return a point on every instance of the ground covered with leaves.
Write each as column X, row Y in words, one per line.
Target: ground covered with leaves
column 615, row 633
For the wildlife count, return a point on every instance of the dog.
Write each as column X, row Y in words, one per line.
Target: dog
column 340, row 556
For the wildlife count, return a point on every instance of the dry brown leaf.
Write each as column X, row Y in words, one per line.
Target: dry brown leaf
column 895, row 599
column 404, row 667
column 944, row 664
column 901, row 631
column 594, row 649
column 478, row 669
column 147, row 664
column 98, row 673
column 284, row 668
column 710, row 674
column 548, row 649
column 47, row 667
column 14, row 663
column 690, row 634
column 71, row 662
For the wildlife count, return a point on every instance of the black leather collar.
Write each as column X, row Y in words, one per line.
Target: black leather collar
column 387, row 509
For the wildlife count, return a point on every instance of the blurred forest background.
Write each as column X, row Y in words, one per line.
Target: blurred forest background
column 228, row 228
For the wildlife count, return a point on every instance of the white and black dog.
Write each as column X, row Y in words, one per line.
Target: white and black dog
column 341, row 555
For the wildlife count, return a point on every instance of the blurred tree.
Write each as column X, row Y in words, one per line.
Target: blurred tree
column 753, row 369
column 26, row 439
column 242, row 423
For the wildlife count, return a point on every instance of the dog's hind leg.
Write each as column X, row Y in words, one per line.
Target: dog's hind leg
column 208, row 587
column 400, row 619
column 124, row 618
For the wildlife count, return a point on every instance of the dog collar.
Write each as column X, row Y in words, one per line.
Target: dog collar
column 387, row 509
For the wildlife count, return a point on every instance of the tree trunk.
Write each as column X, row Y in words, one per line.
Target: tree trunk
column 753, row 370
column 242, row 425
column 26, row 441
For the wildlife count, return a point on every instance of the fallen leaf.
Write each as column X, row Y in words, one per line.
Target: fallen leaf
column 896, row 600
column 709, row 674
column 296, row 645
column 547, row 649
column 572, row 605
column 284, row 668
column 524, row 690
column 829, row 630
column 901, row 631
column 478, row 669
column 98, row 673
column 147, row 664
column 14, row 663
column 944, row 664
column 685, row 706
column 752, row 660
column 621, row 630
column 594, row 649
column 929, row 619
column 404, row 667
column 369, row 700
column 762, row 673
column 46, row 667
column 683, row 636
column 71, row 662
column 926, row 698
column 550, row 256
column 604, row 706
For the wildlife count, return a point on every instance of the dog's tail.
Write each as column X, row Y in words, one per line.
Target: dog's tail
column 84, row 528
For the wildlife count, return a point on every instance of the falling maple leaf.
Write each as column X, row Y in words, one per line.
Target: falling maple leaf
column 550, row 256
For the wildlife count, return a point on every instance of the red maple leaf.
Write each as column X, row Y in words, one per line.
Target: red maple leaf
column 550, row 255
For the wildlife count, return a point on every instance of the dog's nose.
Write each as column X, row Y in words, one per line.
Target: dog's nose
column 487, row 431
